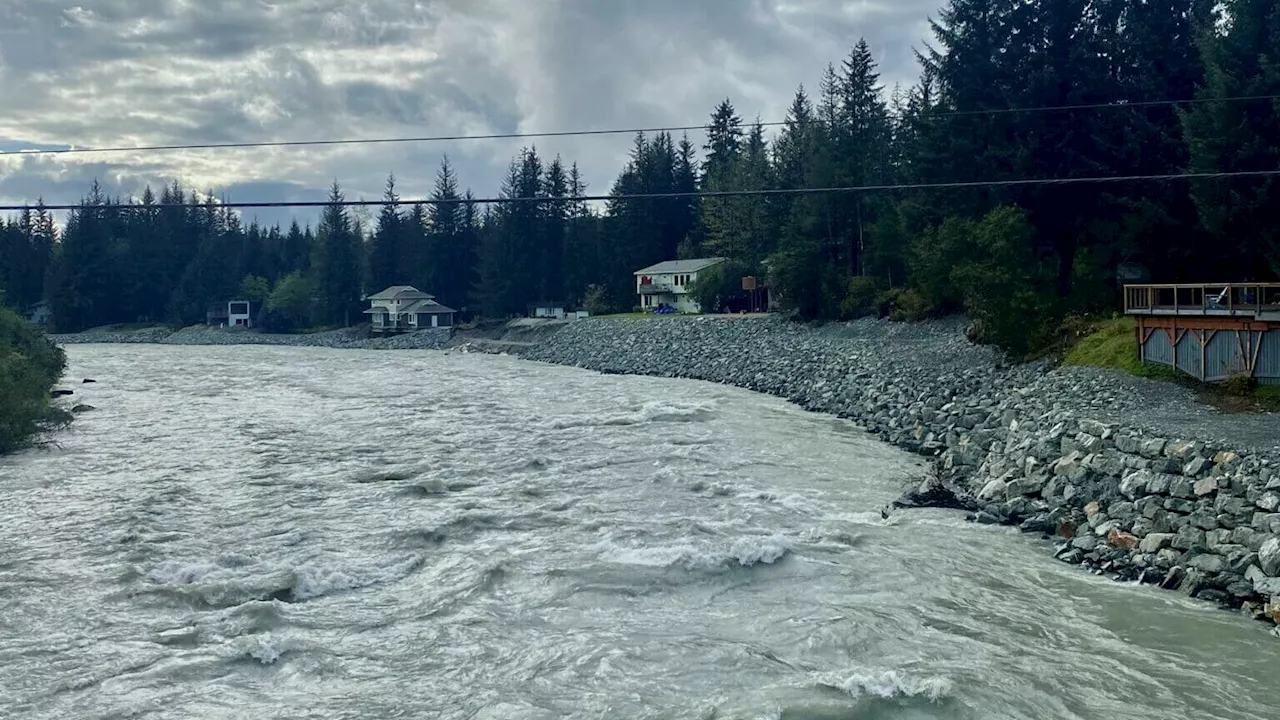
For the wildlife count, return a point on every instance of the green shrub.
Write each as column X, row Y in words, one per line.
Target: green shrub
column 906, row 305
column 862, row 298
column 290, row 305
column 596, row 300
column 717, row 285
column 1003, row 284
column 29, row 366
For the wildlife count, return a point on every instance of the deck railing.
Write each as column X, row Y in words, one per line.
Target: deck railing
column 399, row 324
column 1249, row 299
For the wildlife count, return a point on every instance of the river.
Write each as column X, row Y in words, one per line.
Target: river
column 255, row 532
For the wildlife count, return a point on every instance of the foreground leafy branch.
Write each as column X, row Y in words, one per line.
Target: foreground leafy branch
column 29, row 366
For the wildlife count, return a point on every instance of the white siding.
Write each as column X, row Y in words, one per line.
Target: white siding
column 234, row 318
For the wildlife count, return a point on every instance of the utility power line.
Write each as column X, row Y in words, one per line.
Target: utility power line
column 678, row 195
column 614, row 131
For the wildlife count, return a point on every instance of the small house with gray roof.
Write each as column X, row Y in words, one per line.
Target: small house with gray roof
column 667, row 284
column 404, row 308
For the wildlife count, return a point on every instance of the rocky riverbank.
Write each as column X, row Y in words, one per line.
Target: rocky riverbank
column 1072, row 454
column 349, row 338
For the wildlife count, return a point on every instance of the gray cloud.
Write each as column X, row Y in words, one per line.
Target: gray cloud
column 143, row 72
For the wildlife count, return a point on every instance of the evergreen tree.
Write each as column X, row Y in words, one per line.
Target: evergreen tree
column 452, row 254
column 685, row 229
column 583, row 262
column 418, row 248
column 467, row 274
column 386, row 256
column 724, row 141
column 1241, row 55
column 335, row 264
column 295, row 253
column 862, row 138
column 512, row 249
column 555, row 221
column 84, row 291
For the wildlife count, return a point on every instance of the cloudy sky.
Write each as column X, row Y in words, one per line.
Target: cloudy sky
column 111, row 73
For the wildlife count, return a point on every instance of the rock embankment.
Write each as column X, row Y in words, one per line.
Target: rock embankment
column 1052, row 451
column 350, row 338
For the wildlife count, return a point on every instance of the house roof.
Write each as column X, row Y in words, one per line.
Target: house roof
column 401, row 292
column 680, row 266
column 430, row 307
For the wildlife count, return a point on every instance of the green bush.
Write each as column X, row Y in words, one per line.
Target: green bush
column 718, row 285
column 290, row 304
column 863, row 298
column 906, row 305
column 29, row 366
column 596, row 300
column 1003, row 283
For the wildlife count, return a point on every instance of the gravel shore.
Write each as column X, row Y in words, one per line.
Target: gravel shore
column 1133, row 478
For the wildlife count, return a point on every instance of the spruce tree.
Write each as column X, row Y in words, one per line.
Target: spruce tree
column 1241, row 58
column 335, row 265
column 555, row 220
column 448, row 278
column 386, row 255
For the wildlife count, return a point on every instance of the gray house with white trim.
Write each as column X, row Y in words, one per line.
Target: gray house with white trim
column 404, row 308
column 667, row 283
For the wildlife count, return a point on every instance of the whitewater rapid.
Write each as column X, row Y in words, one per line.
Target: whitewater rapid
column 309, row 533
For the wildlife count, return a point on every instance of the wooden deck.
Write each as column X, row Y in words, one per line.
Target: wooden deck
column 1244, row 301
column 1211, row 332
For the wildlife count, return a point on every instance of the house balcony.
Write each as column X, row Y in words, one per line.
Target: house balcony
column 390, row 325
column 660, row 289
column 1236, row 301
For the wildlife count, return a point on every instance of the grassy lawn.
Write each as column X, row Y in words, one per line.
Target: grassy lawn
column 1113, row 343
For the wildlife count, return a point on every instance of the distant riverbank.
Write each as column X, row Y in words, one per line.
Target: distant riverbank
column 1132, row 478
column 198, row 335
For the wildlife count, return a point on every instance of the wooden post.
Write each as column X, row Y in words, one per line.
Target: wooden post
column 1142, row 339
column 1257, row 348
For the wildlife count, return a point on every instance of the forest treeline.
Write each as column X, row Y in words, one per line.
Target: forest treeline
column 1009, row 90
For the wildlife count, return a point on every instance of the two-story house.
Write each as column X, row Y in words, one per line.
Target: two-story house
column 404, row 308
column 667, row 284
